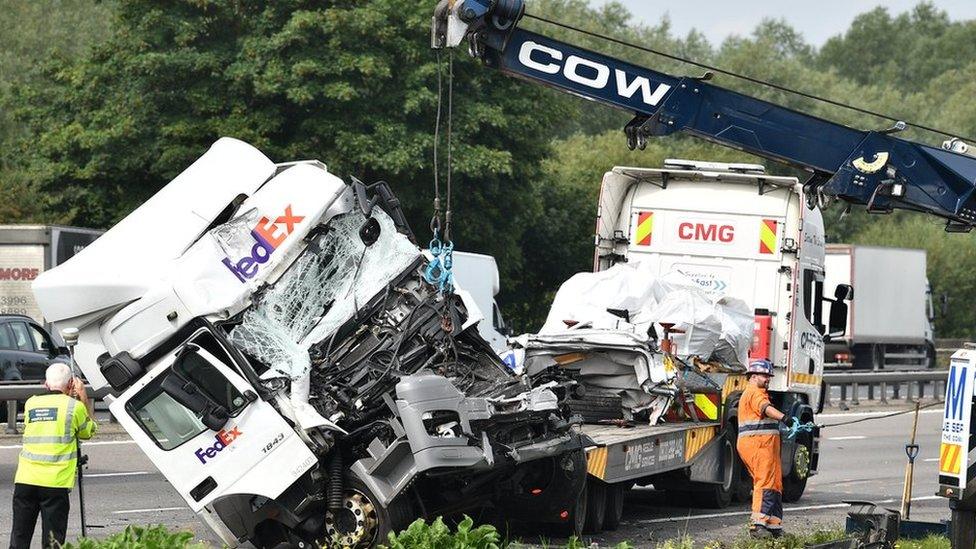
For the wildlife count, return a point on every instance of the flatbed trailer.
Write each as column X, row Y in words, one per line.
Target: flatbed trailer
column 696, row 458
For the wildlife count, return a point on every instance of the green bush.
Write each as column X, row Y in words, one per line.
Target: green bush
column 140, row 537
column 436, row 535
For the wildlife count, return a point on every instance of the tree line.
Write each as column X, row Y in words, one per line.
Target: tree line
column 103, row 104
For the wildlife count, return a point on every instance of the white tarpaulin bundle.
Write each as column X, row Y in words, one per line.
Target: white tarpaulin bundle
column 713, row 327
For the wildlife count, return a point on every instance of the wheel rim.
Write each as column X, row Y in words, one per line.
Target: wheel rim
column 353, row 526
column 801, row 461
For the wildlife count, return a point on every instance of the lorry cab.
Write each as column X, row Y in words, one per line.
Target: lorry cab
column 736, row 232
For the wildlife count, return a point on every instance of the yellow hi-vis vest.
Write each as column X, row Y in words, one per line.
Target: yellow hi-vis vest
column 53, row 423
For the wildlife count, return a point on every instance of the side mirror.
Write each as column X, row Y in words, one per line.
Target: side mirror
column 837, row 324
column 843, row 292
column 187, row 393
column 943, row 305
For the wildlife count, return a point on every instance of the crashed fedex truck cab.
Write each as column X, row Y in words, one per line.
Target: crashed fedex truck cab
column 277, row 354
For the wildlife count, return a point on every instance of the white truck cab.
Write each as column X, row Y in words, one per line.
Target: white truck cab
column 737, row 232
column 276, row 351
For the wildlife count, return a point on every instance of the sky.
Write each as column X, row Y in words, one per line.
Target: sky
column 818, row 20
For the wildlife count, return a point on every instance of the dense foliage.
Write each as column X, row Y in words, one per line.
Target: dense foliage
column 101, row 110
column 140, row 537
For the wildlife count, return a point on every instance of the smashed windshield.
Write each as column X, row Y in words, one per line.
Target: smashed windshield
column 335, row 276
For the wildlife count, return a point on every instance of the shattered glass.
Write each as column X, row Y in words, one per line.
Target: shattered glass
column 335, row 276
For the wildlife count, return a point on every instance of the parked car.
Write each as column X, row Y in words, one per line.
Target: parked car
column 26, row 350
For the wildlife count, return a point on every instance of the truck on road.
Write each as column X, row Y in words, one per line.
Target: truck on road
column 738, row 232
column 883, row 331
column 277, row 352
column 26, row 251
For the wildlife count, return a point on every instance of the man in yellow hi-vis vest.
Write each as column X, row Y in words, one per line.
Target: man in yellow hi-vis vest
column 53, row 423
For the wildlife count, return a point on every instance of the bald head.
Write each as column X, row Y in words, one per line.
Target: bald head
column 58, row 377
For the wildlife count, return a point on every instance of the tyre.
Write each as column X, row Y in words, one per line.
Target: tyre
column 741, row 481
column 595, row 407
column 596, row 506
column 796, row 482
column 868, row 357
column 615, row 506
column 363, row 522
column 719, row 496
column 575, row 522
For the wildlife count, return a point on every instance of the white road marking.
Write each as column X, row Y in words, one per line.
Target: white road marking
column 876, row 414
column 127, row 474
column 851, row 437
column 931, row 459
column 157, row 510
column 797, row 508
column 83, row 444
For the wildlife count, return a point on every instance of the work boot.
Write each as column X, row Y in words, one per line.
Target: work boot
column 775, row 532
column 757, row 531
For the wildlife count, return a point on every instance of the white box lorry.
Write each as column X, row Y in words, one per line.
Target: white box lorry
column 26, row 251
column 889, row 322
column 278, row 355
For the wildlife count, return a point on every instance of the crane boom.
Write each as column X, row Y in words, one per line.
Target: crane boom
column 874, row 168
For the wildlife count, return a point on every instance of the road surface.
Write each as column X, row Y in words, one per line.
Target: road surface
column 864, row 461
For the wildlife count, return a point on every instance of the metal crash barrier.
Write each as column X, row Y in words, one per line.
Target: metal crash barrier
column 882, row 386
column 12, row 392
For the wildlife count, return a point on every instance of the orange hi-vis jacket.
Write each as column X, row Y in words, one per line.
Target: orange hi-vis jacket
column 758, row 446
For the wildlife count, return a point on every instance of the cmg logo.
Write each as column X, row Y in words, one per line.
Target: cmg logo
column 267, row 237
column 706, row 232
column 222, row 440
column 589, row 73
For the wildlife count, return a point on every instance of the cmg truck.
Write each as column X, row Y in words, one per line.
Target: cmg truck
column 738, row 232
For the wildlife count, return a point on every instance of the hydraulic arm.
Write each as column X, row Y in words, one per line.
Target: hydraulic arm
column 874, row 168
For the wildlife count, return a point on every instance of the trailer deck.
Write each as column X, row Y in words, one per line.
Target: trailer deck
column 627, row 453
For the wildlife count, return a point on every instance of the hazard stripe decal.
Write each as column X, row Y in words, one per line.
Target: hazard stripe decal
column 767, row 236
column 706, row 405
column 733, row 383
column 805, row 379
column 596, row 462
column 949, row 461
column 645, row 226
column 696, row 439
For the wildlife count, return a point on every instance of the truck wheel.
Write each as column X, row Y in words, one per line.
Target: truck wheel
column 741, row 481
column 615, row 506
column 574, row 523
column 596, row 506
column 719, row 496
column 796, row 482
column 363, row 522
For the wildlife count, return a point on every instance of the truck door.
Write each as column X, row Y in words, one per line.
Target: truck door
column 205, row 429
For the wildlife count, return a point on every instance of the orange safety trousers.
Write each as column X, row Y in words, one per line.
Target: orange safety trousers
column 758, row 446
column 760, row 454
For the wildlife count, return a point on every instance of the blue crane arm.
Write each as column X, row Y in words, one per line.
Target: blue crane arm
column 873, row 168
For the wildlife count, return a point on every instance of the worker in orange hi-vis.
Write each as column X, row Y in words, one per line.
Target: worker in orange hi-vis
column 758, row 446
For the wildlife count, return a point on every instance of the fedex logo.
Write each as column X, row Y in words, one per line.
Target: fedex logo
column 706, row 232
column 268, row 235
column 222, row 440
